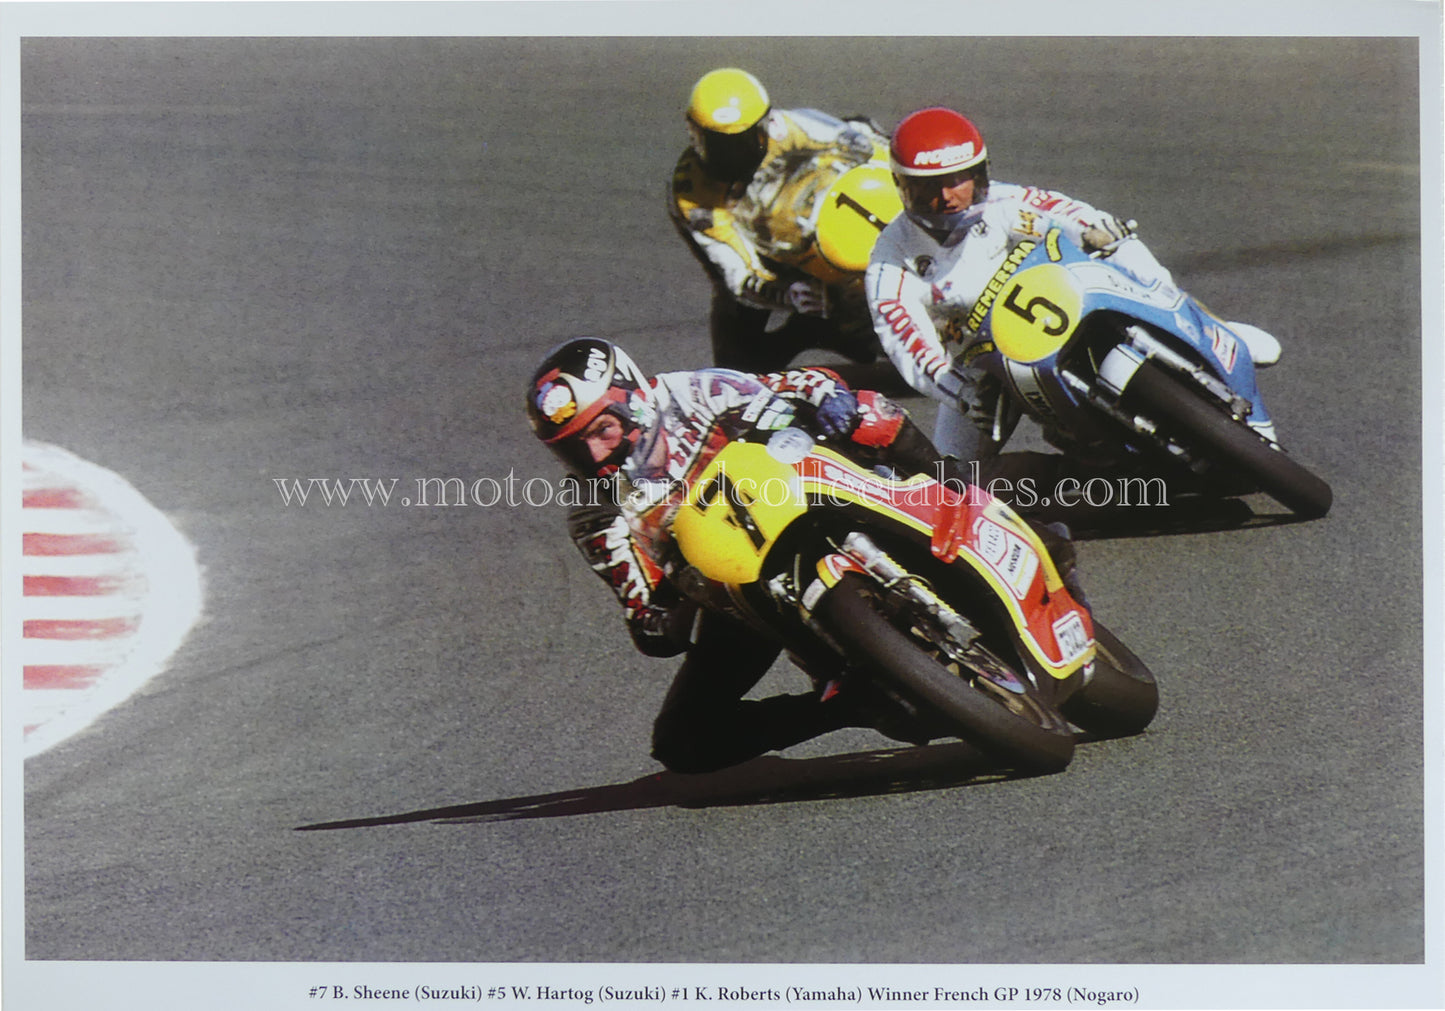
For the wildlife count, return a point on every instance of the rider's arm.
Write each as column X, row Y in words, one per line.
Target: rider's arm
column 657, row 618
column 856, row 137
column 1091, row 229
column 698, row 209
column 866, row 417
column 811, row 385
column 1036, row 210
column 908, row 336
column 896, row 299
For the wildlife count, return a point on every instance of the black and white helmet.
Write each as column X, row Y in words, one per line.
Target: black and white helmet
column 578, row 381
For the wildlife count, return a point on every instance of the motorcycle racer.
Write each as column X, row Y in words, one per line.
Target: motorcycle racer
column 608, row 422
column 932, row 262
column 741, row 198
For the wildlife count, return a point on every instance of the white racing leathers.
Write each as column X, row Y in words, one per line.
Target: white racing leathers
column 920, row 293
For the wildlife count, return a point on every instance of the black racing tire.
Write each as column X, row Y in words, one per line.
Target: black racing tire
column 849, row 615
column 1120, row 698
column 1178, row 406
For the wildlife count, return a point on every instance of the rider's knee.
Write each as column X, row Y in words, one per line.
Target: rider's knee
column 679, row 747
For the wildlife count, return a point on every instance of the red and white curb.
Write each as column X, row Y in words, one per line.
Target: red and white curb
column 111, row 589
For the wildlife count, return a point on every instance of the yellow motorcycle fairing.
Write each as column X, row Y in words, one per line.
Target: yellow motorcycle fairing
column 837, row 208
column 854, row 212
column 1023, row 575
column 735, row 510
column 745, row 498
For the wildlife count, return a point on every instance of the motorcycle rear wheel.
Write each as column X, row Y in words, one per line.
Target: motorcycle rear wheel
column 1220, row 438
column 1121, row 697
column 1035, row 746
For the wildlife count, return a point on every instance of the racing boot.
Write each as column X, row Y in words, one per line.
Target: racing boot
column 1263, row 347
column 859, row 702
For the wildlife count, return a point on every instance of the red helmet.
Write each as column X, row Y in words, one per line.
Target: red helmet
column 576, row 383
column 933, row 149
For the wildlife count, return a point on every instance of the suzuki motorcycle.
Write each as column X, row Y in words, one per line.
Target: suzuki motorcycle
column 945, row 603
column 1141, row 374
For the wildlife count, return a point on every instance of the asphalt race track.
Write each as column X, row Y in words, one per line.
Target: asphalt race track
column 258, row 259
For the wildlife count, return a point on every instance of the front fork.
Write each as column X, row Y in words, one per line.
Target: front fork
column 858, row 553
column 942, row 627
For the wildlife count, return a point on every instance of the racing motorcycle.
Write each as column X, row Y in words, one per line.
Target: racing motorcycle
column 1142, row 374
column 827, row 216
column 945, row 604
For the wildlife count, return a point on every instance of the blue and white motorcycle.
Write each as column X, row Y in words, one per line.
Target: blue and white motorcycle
column 1144, row 374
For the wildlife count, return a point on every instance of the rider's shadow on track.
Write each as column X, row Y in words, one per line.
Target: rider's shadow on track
column 767, row 780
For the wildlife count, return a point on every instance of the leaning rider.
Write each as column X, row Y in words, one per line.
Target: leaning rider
column 604, row 419
column 732, row 200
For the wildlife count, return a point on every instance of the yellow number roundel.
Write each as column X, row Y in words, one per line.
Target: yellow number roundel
column 1036, row 313
column 855, row 211
column 736, row 509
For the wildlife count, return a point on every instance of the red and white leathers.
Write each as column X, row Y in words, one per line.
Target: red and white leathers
column 920, row 292
column 679, row 418
column 748, row 233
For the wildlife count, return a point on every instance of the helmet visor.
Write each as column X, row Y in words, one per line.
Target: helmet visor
column 729, row 156
column 924, row 194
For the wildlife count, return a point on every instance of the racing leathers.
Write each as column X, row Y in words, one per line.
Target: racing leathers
column 753, row 239
column 704, row 723
column 921, row 290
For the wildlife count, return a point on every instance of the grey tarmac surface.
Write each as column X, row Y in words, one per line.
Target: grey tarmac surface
column 258, row 259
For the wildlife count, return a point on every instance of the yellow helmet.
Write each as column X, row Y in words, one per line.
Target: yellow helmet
column 727, row 101
column 726, row 121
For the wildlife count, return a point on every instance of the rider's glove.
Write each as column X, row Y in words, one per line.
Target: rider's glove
column 971, row 392
column 1105, row 234
column 807, row 297
column 879, row 420
column 856, row 145
column 662, row 631
column 838, row 414
column 952, row 382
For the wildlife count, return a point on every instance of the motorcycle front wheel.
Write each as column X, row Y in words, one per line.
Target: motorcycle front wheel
column 1209, row 430
column 1035, row 741
column 1121, row 696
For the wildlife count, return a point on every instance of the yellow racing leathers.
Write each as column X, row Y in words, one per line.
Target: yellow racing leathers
column 773, row 296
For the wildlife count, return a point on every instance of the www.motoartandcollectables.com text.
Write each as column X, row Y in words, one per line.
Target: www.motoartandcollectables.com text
column 512, row 491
